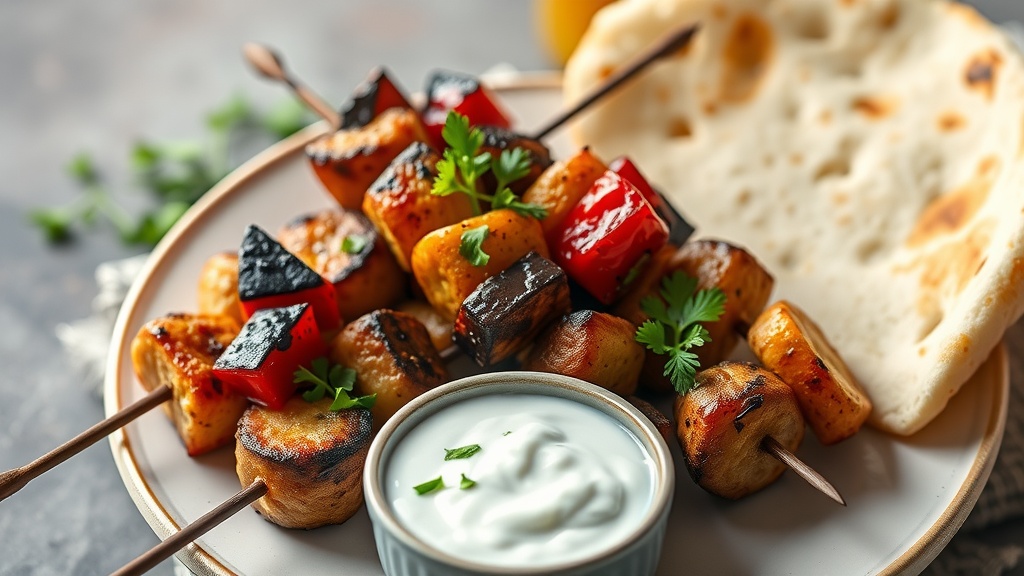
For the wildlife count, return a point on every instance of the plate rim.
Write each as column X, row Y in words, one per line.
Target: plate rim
column 203, row 562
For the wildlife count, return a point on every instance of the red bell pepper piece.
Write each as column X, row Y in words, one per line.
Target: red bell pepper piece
column 377, row 94
column 464, row 94
column 607, row 237
column 261, row 361
column 271, row 277
column 678, row 228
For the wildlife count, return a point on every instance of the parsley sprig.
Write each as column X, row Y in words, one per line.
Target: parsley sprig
column 335, row 380
column 471, row 245
column 675, row 325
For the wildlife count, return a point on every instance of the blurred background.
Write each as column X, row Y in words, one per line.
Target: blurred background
column 98, row 77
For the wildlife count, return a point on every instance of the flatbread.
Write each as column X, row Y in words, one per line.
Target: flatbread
column 868, row 152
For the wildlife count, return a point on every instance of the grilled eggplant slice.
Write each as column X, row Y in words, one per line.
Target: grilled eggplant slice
column 592, row 346
column 401, row 206
column 178, row 351
column 723, row 421
column 790, row 344
column 218, row 287
column 393, row 357
column 348, row 161
column 311, row 459
column 447, row 277
column 507, row 311
column 345, row 249
column 562, row 185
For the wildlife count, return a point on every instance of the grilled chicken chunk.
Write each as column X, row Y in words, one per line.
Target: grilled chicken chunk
column 346, row 250
column 440, row 330
column 178, row 350
column 722, row 422
column 348, row 161
column 393, row 357
column 310, row 457
column 790, row 344
column 218, row 287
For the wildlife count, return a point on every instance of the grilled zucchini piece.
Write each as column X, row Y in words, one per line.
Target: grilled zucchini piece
column 393, row 357
column 401, row 206
column 346, row 250
column 447, row 277
column 218, row 287
column 562, row 185
column 348, row 161
column 310, row 457
column 178, row 350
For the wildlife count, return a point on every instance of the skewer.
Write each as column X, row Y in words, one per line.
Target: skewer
column 270, row 65
column 16, row 479
column 810, row 475
column 204, row 524
column 674, row 42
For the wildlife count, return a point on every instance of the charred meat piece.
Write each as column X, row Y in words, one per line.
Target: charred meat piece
column 790, row 344
column 507, row 311
column 344, row 248
column 218, row 287
column 179, row 351
column 348, row 161
column 561, row 186
column 401, row 206
column 592, row 346
column 393, row 358
column 723, row 421
column 371, row 98
column 311, row 459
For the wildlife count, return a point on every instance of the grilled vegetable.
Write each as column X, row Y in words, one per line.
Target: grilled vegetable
column 508, row 310
column 343, row 247
column 311, row 459
column 273, row 343
column 561, row 186
column 790, row 344
column 440, row 330
column 179, row 351
column 591, row 346
column 723, row 421
column 447, row 277
column 678, row 228
column 271, row 277
column 371, row 99
column 497, row 140
column 401, row 206
column 657, row 417
column 348, row 161
column 218, row 287
column 607, row 238
column 393, row 358
column 448, row 91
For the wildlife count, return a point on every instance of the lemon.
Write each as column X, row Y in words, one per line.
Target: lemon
column 561, row 23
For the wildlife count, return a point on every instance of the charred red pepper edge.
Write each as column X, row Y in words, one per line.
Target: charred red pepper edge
column 679, row 229
column 447, row 91
column 608, row 236
column 377, row 94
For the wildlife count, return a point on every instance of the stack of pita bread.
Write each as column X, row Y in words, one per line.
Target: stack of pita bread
column 868, row 152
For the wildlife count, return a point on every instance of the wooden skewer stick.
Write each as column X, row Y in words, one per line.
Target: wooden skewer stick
column 16, row 479
column 674, row 42
column 810, row 475
column 204, row 524
column 270, row 65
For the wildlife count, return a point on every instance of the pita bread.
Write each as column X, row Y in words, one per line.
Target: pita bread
column 867, row 151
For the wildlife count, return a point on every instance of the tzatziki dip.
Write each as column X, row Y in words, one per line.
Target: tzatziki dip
column 519, row 480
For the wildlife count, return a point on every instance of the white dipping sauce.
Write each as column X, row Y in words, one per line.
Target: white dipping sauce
column 556, row 480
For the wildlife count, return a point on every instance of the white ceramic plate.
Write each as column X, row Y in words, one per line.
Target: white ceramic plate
column 907, row 496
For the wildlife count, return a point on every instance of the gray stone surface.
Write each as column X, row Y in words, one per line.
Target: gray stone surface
column 98, row 75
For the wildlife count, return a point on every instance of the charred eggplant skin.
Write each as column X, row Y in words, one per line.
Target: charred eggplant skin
column 508, row 310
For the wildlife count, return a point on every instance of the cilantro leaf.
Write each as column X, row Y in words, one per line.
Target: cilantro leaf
column 429, row 486
column 461, row 452
column 335, row 380
column 510, row 166
column 466, row 483
column 471, row 245
column 354, row 244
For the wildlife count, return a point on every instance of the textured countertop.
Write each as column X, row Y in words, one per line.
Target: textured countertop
column 96, row 76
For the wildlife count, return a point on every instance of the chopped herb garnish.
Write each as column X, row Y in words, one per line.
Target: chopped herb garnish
column 471, row 246
column 506, row 433
column 461, row 452
column 353, row 244
column 429, row 486
column 334, row 380
column 466, row 483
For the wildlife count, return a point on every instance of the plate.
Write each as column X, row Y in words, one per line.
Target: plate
column 906, row 496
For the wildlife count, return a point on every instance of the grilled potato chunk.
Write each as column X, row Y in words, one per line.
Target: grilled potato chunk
column 790, row 344
column 218, row 287
column 348, row 161
column 401, row 206
column 393, row 357
column 310, row 457
column 746, row 284
column 723, row 420
column 591, row 346
column 178, row 350
column 440, row 330
column 562, row 185
column 344, row 247
column 445, row 275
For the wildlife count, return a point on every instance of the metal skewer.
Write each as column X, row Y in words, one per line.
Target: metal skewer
column 268, row 63
column 810, row 475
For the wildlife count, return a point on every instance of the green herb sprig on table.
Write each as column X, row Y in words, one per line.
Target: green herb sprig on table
column 332, row 380
column 175, row 174
column 675, row 325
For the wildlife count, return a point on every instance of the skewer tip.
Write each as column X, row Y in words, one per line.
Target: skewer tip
column 264, row 60
column 809, row 475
